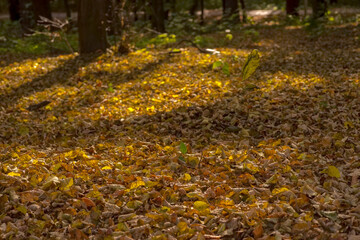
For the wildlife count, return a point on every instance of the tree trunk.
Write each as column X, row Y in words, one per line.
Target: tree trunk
column 173, row 6
column 14, row 10
column 26, row 16
column 319, row 8
column 67, row 9
column 202, row 11
column 194, row 7
column 291, row 7
column 92, row 26
column 231, row 10
column 135, row 6
column 243, row 8
column 41, row 8
column 158, row 15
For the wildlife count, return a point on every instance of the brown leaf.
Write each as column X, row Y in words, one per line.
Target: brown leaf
column 88, row 202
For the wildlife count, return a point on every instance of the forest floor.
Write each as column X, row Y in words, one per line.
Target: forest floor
column 156, row 146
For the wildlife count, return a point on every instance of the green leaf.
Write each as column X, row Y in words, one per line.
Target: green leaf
column 330, row 214
column 164, row 35
column 229, row 36
column 181, row 158
column 216, row 65
column 175, row 50
column 183, row 148
column 110, row 88
column 252, row 62
column 332, row 171
column 226, row 69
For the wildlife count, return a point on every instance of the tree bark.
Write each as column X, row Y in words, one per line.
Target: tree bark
column 41, row 8
column 67, row 9
column 194, row 7
column 26, row 16
column 243, row 8
column 231, row 10
column 202, row 11
column 92, row 26
column 14, row 10
column 158, row 15
column 319, row 8
column 291, row 7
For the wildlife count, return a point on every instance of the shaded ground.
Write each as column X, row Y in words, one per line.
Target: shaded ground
column 272, row 157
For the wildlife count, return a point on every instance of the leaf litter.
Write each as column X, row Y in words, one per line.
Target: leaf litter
column 151, row 147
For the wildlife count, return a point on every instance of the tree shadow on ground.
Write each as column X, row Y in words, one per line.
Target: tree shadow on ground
column 60, row 75
column 322, row 52
column 323, row 55
column 11, row 58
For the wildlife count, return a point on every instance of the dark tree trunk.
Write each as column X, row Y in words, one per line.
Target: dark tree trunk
column 319, row 8
column 92, row 26
column 67, row 9
column 243, row 8
column 14, row 10
column 158, row 15
column 202, row 11
column 41, row 8
column 231, row 10
column 194, row 7
column 26, row 16
column 173, row 6
column 291, row 7
column 135, row 7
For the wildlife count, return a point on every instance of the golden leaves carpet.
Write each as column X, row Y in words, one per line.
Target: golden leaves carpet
column 272, row 157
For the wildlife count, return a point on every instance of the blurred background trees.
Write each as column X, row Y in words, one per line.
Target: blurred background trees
column 97, row 22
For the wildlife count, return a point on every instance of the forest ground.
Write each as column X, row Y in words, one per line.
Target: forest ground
column 159, row 146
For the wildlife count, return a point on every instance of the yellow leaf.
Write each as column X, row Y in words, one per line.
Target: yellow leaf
column 14, row 174
column 131, row 109
column 251, row 63
column 134, row 204
column 218, row 151
column 227, row 202
column 137, row 184
column 192, row 161
column 187, row 177
column 106, row 168
column 200, row 205
column 193, row 195
column 308, row 217
column 332, row 171
column 67, row 184
column 122, row 227
column 348, row 124
column 182, row 226
column 251, row 168
column 168, row 149
column 22, row 209
column 276, row 143
column 279, row 190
